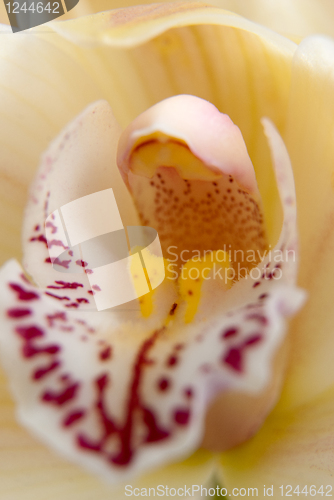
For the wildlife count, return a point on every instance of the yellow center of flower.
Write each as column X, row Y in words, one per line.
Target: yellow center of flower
column 191, row 178
column 156, row 150
column 189, row 282
column 195, row 272
column 152, row 268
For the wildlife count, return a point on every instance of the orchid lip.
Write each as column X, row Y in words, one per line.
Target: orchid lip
column 210, row 135
column 120, row 394
column 189, row 173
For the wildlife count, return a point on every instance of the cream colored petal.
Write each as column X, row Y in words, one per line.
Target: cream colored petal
column 41, row 88
column 309, row 137
column 85, row 7
column 79, row 162
column 293, row 448
column 289, row 17
column 227, row 65
column 295, row 445
column 293, row 18
column 241, row 67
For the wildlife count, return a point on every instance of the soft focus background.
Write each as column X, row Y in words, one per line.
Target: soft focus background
column 29, row 469
column 289, row 17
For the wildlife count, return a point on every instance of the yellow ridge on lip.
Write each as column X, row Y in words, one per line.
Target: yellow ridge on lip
column 152, row 268
column 190, row 281
column 156, row 150
column 194, row 273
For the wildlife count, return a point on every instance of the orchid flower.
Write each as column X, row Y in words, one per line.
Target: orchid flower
column 295, row 19
column 132, row 396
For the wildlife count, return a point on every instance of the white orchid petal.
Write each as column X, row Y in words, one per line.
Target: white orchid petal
column 285, row 450
column 309, row 138
column 288, row 241
column 79, row 162
column 67, row 371
column 31, row 470
column 272, row 279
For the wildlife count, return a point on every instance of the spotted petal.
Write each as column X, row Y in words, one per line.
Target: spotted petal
column 244, row 42
column 80, row 162
column 122, row 397
column 199, row 209
column 118, row 400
